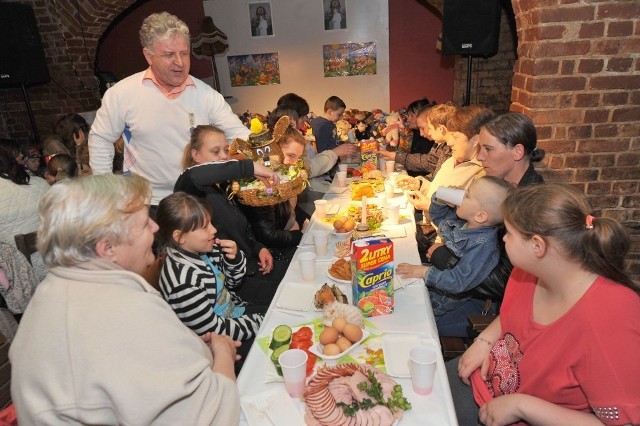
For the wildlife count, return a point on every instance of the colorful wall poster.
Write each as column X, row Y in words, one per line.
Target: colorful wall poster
column 254, row 70
column 349, row 59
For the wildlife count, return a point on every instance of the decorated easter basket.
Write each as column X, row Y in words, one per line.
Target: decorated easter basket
column 261, row 148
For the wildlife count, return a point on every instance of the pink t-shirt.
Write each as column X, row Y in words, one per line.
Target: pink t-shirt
column 586, row 360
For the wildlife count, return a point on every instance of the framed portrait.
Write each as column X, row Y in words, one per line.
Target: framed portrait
column 335, row 14
column 261, row 19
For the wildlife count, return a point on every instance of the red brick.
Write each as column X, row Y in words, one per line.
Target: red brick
column 560, row 132
column 560, row 49
column 586, row 175
column 619, row 64
column 545, row 67
column 561, row 116
column 618, row 98
column 540, row 101
column 631, row 201
column 620, row 29
column 626, row 114
column 577, row 161
column 580, row 132
column 567, row 14
column 551, row 32
column 628, row 159
column 567, row 67
column 555, row 162
column 596, row 116
column 590, row 66
column 605, row 130
column 611, row 145
column 603, row 160
column 604, row 202
column 630, row 45
column 598, row 188
column 621, row 173
column 591, row 30
column 557, row 84
column 606, row 47
column 625, row 188
column 544, row 132
column 586, row 100
column 614, row 82
column 630, row 130
column 558, row 176
column 558, row 147
column 621, row 10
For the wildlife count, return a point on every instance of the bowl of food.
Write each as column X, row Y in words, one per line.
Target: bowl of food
column 343, row 227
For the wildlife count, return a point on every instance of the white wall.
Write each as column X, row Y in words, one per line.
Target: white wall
column 299, row 35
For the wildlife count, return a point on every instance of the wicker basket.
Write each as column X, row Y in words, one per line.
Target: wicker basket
column 279, row 193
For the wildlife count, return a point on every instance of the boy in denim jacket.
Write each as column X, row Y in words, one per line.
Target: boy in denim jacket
column 469, row 249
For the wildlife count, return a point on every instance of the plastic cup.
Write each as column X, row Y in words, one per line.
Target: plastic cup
column 294, row 371
column 342, row 179
column 390, row 166
column 450, row 195
column 422, row 365
column 388, row 189
column 308, row 265
column 321, row 208
column 343, row 167
column 321, row 242
column 393, row 213
column 381, row 164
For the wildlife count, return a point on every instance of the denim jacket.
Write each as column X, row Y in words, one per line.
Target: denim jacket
column 477, row 250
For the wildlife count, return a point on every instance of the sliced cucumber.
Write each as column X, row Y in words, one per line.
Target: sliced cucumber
column 281, row 336
column 276, row 354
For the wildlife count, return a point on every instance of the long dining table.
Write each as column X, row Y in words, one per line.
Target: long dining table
column 412, row 323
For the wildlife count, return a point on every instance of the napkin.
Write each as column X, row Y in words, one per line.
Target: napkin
column 399, row 282
column 282, row 409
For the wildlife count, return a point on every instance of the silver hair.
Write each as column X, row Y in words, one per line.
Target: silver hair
column 75, row 214
column 162, row 26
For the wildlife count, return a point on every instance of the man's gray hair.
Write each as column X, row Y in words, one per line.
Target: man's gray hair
column 162, row 26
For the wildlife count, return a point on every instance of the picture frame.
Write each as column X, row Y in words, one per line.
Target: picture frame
column 335, row 14
column 261, row 19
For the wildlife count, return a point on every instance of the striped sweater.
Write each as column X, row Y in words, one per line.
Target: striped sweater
column 189, row 286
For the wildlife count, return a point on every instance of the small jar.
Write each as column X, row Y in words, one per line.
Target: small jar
column 361, row 231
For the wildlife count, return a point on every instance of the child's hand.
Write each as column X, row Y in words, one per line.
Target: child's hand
column 419, row 200
column 266, row 261
column 228, row 247
column 406, row 182
column 411, row 271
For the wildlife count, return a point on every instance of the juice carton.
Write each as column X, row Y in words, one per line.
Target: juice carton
column 372, row 272
column 369, row 155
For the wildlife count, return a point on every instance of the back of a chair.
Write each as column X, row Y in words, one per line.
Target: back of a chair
column 26, row 244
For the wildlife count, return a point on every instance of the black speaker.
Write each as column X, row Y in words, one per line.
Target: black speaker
column 470, row 27
column 22, row 58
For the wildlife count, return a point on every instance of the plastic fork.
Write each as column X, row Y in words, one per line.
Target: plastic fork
column 261, row 404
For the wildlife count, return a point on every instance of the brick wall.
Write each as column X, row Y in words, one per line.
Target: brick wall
column 577, row 77
column 69, row 37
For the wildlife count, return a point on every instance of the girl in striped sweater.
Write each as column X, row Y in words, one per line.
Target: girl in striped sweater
column 201, row 272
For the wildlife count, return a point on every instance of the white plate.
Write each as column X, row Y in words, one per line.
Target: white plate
column 298, row 297
column 338, row 280
column 396, row 349
column 317, row 348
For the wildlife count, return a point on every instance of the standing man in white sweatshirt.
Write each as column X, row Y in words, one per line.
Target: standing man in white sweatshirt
column 155, row 110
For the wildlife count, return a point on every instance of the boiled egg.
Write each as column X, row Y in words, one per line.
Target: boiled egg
column 328, row 335
column 339, row 323
column 352, row 332
column 331, row 349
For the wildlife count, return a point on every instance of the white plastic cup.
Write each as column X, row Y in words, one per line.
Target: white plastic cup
column 388, row 189
column 307, row 265
column 381, row 164
column 393, row 213
column 422, row 365
column 321, row 243
column 450, row 195
column 342, row 179
column 343, row 167
column 390, row 166
column 321, row 209
column 294, row 371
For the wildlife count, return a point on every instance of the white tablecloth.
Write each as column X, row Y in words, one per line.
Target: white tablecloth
column 413, row 314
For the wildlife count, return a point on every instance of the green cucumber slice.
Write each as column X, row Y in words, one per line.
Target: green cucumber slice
column 276, row 354
column 281, row 336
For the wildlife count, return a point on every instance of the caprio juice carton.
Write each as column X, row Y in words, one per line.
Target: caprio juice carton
column 369, row 155
column 372, row 272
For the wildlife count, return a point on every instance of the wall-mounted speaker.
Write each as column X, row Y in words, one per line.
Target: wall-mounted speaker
column 22, row 59
column 470, row 27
